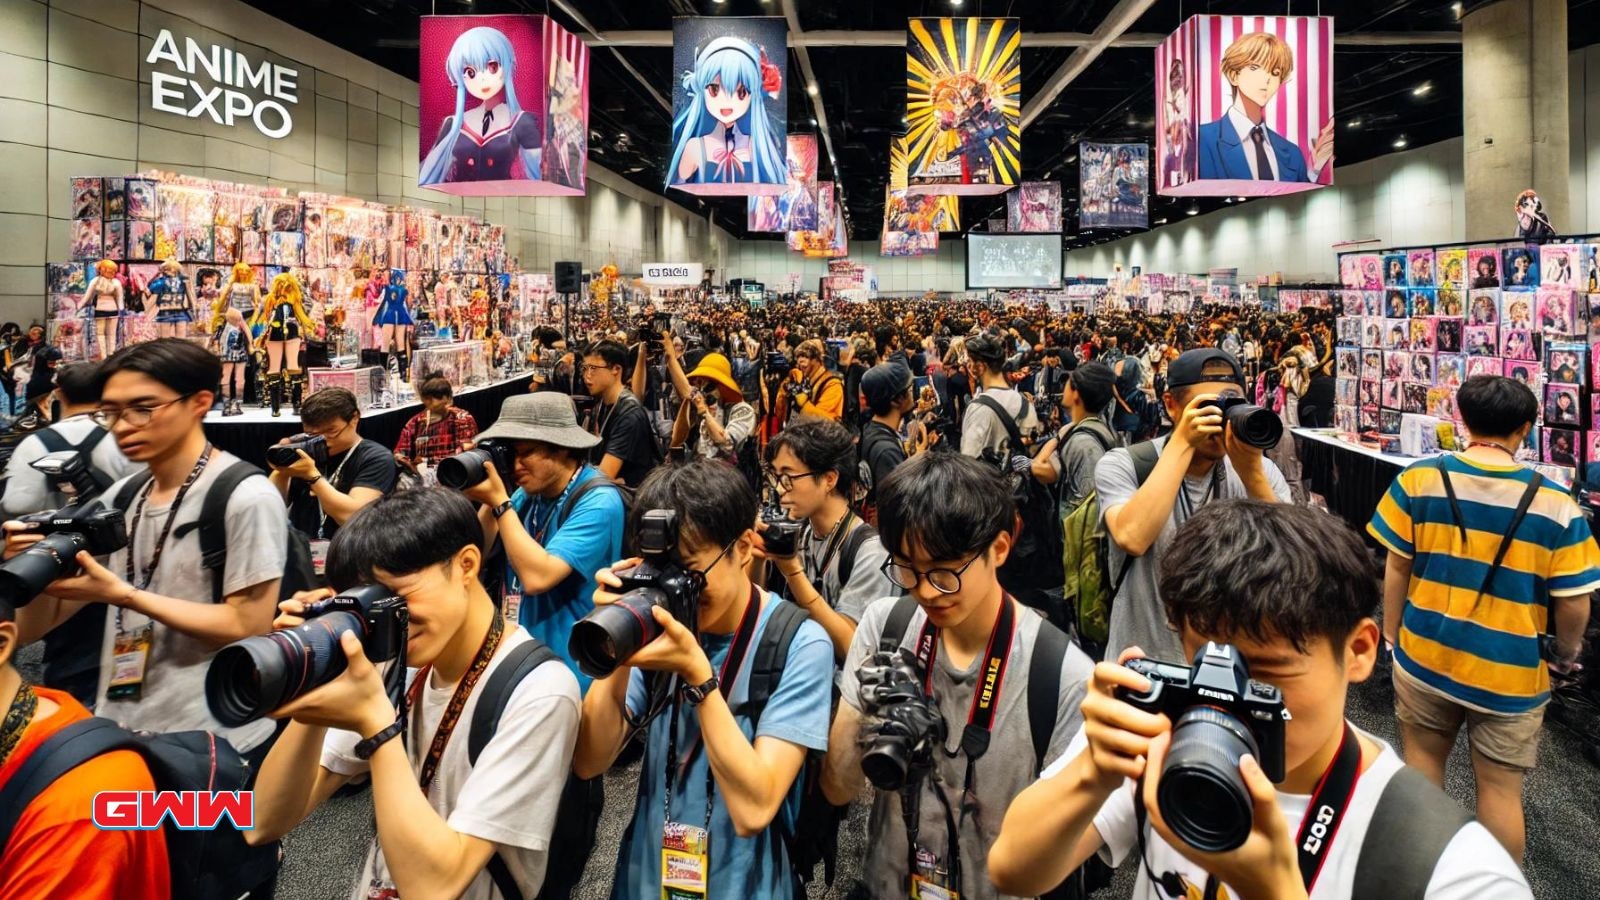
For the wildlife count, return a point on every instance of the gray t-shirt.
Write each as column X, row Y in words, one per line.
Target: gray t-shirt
column 1075, row 459
column 1001, row 773
column 867, row 581
column 981, row 430
column 173, row 696
column 1137, row 616
column 28, row 491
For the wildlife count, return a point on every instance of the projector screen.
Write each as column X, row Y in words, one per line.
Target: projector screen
column 1013, row 261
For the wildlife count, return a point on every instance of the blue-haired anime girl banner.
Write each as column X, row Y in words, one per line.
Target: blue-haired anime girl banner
column 503, row 107
column 729, row 112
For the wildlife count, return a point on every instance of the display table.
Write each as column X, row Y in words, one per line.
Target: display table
column 249, row 435
column 1352, row 478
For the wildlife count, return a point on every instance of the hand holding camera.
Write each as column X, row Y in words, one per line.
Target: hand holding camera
column 54, row 551
column 1201, row 421
column 299, row 456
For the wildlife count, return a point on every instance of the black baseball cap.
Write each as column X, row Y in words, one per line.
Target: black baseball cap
column 1189, row 368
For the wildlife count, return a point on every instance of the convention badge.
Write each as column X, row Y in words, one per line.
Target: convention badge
column 931, row 880
column 381, row 890
column 511, row 605
column 130, row 654
column 685, row 862
column 319, row 555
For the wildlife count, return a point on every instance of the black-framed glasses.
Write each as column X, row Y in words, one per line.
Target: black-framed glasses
column 331, row 435
column 945, row 581
column 785, row 482
column 137, row 416
column 589, row 367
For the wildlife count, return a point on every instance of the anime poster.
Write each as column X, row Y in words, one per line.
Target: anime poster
column 796, row 208
column 1450, row 266
column 1360, row 271
column 1560, row 446
column 729, row 106
column 1589, row 268
column 916, row 213
column 817, row 241
column 1484, row 365
column 1557, row 263
column 908, row 243
column 1420, row 265
column 503, row 107
column 963, row 104
column 1557, row 313
column 1244, row 106
column 1519, row 268
column 1483, row 267
column 1035, row 206
column 1112, row 181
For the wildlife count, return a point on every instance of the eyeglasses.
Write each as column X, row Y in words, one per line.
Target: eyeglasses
column 785, row 481
column 137, row 416
column 330, row 435
column 587, row 368
column 945, row 581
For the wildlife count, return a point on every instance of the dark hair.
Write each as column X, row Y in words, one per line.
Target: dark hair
column 1093, row 382
column 438, row 523
column 328, row 404
column 182, row 366
column 822, row 445
column 79, row 383
column 1264, row 570
column 987, row 349
column 715, row 504
column 435, row 387
column 1494, row 406
column 611, row 353
column 948, row 504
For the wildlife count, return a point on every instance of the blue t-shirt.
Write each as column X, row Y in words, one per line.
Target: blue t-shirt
column 588, row 540
column 754, row 867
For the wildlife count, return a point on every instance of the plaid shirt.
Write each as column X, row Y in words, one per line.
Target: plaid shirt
column 421, row 442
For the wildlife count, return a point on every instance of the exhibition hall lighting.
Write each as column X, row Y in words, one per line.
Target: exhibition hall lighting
column 1193, row 210
column 1353, row 123
column 1422, row 90
column 811, row 89
column 1400, row 142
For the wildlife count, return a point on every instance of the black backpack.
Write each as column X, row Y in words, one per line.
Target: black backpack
column 299, row 574
column 204, row 864
column 54, row 442
column 1034, row 565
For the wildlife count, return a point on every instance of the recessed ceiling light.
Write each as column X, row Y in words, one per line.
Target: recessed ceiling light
column 1193, row 210
column 1353, row 123
column 955, row 2
column 813, row 123
column 1400, row 142
column 1456, row 8
column 1423, row 89
column 811, row 89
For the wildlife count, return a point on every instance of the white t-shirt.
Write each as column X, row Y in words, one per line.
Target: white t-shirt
column 1473, row 866
column 509, row 798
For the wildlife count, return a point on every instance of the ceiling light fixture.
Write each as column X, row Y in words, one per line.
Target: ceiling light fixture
column 956, row 3
column 1353, row 123
column 1423, row 89
column 811, row 89
column 1400, row 142
column 1456, row 8
column 1193, row 210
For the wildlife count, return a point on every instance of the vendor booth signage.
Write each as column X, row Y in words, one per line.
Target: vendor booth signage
column 1244, row 106
column 223, row 84
column 729, row 109
column 503, row 107
column 963, row 102
column 674, row 274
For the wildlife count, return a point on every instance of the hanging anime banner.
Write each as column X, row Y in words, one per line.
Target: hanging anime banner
column 503, row 107
column 896, row 240
column 796, row 208
column 906, row 211
column 729, row 112
column 815, row 241
column 1244, row 106
column 1034, row 206
column 1112, row 180
column 963, row 102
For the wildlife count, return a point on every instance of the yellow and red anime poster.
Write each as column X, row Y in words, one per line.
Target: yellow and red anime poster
column 907, row 211
column 963, row 104
column 820, row 241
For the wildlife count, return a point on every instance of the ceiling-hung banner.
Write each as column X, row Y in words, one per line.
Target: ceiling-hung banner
column 898, row 240
column 1035, row 206
column 1244, row 106
column 796, row 208
column 963, row 103
column 1112, row 185
column 813, row 241
column 915, row 212
column 503, row 107
column 729, row 111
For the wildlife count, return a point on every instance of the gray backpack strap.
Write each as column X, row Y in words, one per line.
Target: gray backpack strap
column 1410, row 829
column 899, row 621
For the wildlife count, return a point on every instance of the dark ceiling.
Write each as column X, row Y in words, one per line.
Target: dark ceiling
column 862, row 88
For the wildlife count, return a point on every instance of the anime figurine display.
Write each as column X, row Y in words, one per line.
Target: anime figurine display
column 284, row 324
column 492, row 138
column 393, row 320
column 103, row 301
column 729, row 109
column 174, row 300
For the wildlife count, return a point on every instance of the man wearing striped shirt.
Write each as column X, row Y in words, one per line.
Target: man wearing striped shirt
column 1469, row 636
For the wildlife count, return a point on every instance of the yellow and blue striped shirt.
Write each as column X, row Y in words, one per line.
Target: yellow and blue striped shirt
column 1484, row 652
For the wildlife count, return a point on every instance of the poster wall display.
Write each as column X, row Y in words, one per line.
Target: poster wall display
column 503, row 107
column 963, row 104
column 1244, row 106
column 1035, row 206
column 1112, row 181
column 796, row 208
column 729, row 109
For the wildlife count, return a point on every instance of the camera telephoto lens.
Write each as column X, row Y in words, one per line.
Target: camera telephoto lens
column 1257, row 426
column 1202, row 795
column 250, row 678
column 26, row 575
column 609, row 636
column 464, row 470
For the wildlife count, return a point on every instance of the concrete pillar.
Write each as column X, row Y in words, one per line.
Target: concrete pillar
column 1514, row 75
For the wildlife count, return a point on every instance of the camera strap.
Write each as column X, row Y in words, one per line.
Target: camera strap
column 333, row 482
column 148, row 571
column 458, row 699
column 986, row 697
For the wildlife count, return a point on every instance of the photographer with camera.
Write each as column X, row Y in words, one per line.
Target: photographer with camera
column 954, row 696
column 627, row 449
column 713, row 420
column 1148, row 489
column 440, row 431
column 1451, row 563
column 812, row 390
column 166, row 610
column 330, row 472
column 719, row 786
column 833, row 567
column 466, row 803
column 1176, row 765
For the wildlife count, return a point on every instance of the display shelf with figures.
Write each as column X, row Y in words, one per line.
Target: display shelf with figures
column 366, row 383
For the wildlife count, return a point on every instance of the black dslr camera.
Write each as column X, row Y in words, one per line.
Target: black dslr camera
column 66, row 531
column 781, row 536
column 1218, row 713
column 901, row 745
column 466, row 468
column 281, row 456
column 250, row 678
column 608, row 636
column 1255, row 425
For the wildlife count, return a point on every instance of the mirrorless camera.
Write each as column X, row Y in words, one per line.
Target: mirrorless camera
column 1218, row 713
column 900, row 745
column 250, row 678
column 466, row 469
column 281, row 456
column 66, row 531
column 781, row 534
column 607, row 637
column 1255, row 425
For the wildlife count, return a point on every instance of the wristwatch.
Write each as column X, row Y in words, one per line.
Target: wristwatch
column 697, row 695
column 502, row 508
column 365, row 748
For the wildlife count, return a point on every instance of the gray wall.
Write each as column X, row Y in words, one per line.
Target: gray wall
column 75, row 100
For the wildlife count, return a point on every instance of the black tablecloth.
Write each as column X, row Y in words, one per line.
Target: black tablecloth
column 250, row 440
column 1352, row 482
